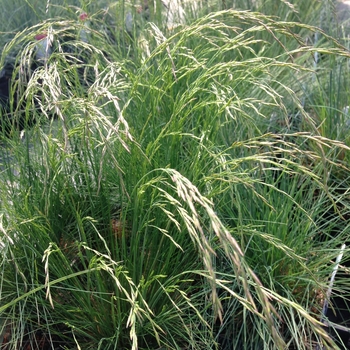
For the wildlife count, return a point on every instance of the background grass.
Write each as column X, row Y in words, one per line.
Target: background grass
column 179, row 187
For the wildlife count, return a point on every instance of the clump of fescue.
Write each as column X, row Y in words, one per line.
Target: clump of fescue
column 156, row 202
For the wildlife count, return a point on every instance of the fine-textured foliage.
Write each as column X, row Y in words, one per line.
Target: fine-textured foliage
column 173, row 186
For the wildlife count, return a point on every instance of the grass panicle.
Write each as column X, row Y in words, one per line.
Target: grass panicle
column 176, row 182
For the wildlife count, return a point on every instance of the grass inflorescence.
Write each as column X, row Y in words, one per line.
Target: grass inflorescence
column 172, row 184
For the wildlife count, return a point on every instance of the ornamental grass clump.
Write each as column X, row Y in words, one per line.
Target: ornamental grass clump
column 172, row 192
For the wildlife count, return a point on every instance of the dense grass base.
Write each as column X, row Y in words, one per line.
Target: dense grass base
column 178, row 186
